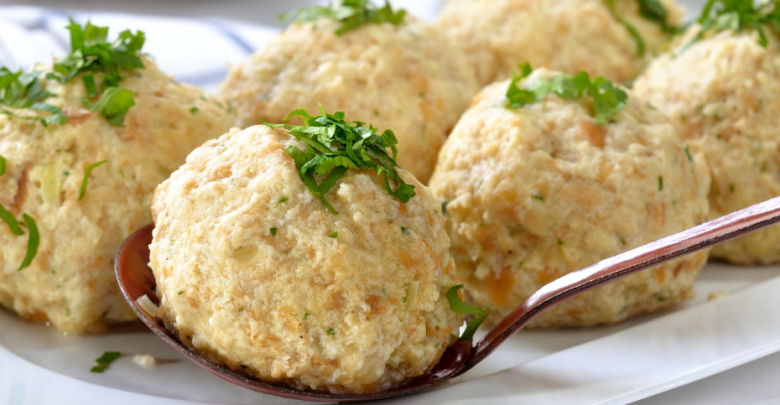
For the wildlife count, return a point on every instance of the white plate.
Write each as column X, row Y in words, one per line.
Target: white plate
column 611, row 365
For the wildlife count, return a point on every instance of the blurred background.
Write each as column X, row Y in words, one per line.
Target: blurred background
column 254, row 11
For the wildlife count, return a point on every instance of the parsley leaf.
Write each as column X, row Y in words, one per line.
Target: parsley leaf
column 12, row 223
column 113, row 105
column 461, row 307
column 607, row 98
column 91, row 53
column 334, row 146
column 104, row 361
column 737, row 15
column 85, row 180
column 351, row 13
column 655, row 11
column 24, row 91
column 2, row 165
column 640, row 42
column 33, row 241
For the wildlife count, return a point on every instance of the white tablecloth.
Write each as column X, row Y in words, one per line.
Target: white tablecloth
column 198, row 51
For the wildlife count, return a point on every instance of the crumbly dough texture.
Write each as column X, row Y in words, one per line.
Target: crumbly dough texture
column 722, row 93
column 565, row 35
column 535, row 193
column 355, row 313
column 408, row 78
column 71, row 282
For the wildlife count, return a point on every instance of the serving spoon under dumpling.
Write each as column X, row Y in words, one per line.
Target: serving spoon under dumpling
column 136, row 280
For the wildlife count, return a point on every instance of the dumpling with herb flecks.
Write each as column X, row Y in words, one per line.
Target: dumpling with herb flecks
column 82, row 153
column 547, row 174
column 333, row 280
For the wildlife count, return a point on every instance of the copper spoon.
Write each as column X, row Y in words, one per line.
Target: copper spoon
column 136, row 279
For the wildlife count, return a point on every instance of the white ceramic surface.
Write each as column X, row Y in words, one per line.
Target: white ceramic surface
column 611, row 365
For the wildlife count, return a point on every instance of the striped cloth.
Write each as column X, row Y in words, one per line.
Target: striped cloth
column 196, row 51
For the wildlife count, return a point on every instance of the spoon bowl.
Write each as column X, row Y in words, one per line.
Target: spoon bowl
column 136, row 279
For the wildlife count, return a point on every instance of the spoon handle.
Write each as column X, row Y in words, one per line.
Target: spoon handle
column 671, row 247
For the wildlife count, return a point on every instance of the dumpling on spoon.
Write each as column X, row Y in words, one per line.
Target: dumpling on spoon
column 549, row 173
column 83, row 144
column 720, row 87
column 303, row 255
column 381, row 65
column 611, row 38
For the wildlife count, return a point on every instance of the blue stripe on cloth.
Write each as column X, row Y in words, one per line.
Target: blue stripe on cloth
column 233, row 36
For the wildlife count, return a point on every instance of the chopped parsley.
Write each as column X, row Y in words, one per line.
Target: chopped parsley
column 608, row 99
column 461, row 307
column 33, row 238
column 688, row 153
column 331, row 332
column 33, row 241
column 104, row 361
column 334, row 146
column 660, row 183
column 12, row 223
column 306, row 315
column 282, row 200
column 85, row 180
column 2, row 165
column 351, row 13
column 640, row 42
column 335, row 235
column 273, row 232
column 113, row 105
column 25, row 91
column 737, row 15
column 92, row 57
column 538, row 196
column 194, row 110
column 652, row 10
column 180, row 292
column 404, row 230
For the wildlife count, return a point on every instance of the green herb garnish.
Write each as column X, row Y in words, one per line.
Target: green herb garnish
column 460, row 307
column 538, row 196
column 351, row 13
column 2, row 165
column 33, row 241
column 24, row 91
column 104, row 361
column 737, row 15
column 335, row 235
column 652, row 10
column 660, row 183
column 113, row 105
column 194, row 110
column 688, row 153
column 608, row 99
column 85, row 180
column 331, row 332
column 273, row 232
column 12, row 223
column 655, row 11
column 334, row 146
column 93, row 56
column 640, row 42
